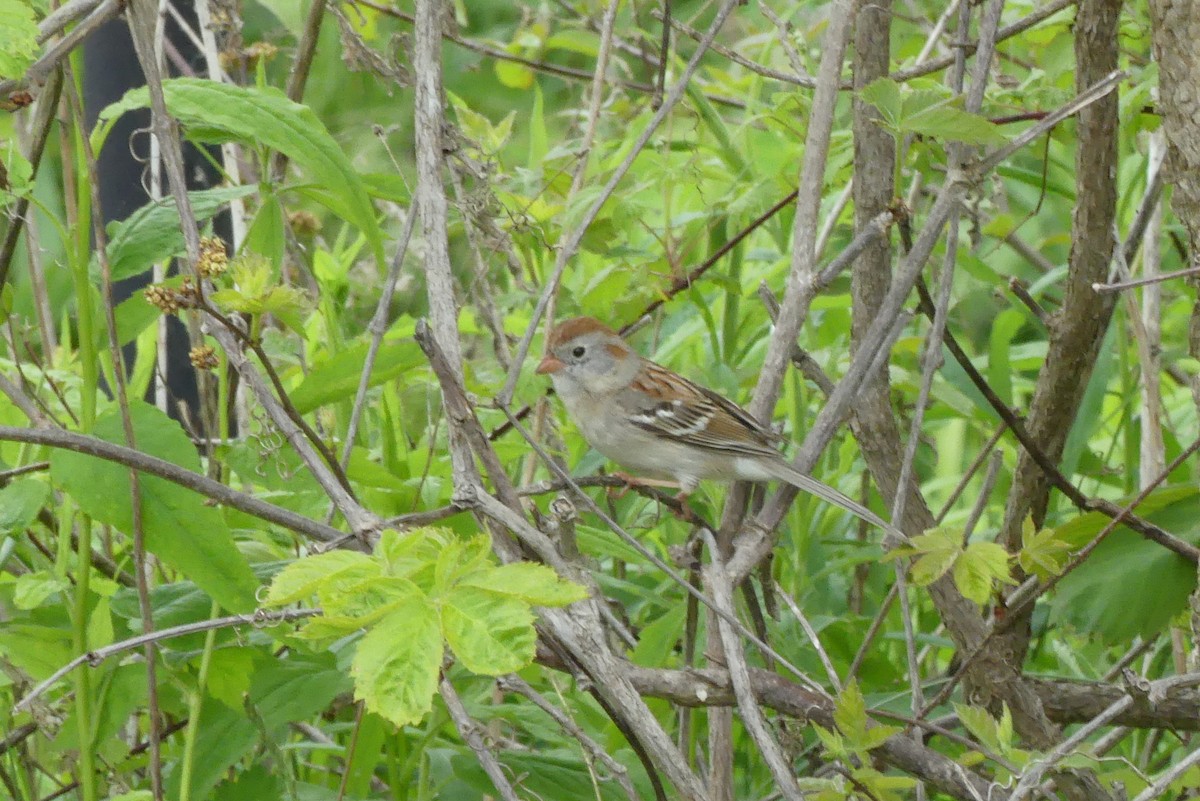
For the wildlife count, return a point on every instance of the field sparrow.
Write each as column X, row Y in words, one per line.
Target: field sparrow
column 649, row 419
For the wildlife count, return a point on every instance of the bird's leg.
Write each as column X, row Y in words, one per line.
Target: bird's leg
column 632, row 482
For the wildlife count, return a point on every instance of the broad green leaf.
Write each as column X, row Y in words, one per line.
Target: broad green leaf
column 223, row 737
column 978, row 569
column 396, row 665
column 533, row 584
column 222, row 112
column 884, row 95
column 229, row 674
column 979, row 722
column 18, row 37
column 301, row 579
column 266, row 236
column 37, row 650
column 954, row 124
column 657, row 640
column 20, row 503
column 850, row 714
column 180, row 527
column 459, row 558
column 151, row 234
column 489, row 633
column 337, row 378
column 1130, row 586
column 387, row 186
column 296, row 687
column 30, row 590
column 256, row 783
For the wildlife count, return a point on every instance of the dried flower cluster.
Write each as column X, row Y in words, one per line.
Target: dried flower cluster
column 213, row 258
column 203, row 357
column 169, row 300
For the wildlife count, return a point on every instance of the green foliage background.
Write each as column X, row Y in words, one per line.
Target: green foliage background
column 267, row 712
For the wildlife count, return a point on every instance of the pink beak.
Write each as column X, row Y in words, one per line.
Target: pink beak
column 550, row 364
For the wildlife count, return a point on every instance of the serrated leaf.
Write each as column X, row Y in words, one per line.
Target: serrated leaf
column 534, row 584
column 489, row 633
column 1043, row 553
column 835, row 746
column 301, row 579
column 396, row 665
column 412, row 554
column 180, row 527
column 367, row 600
column 875, row 736
column 850, row 714
column 978, row 568
column 938, row 551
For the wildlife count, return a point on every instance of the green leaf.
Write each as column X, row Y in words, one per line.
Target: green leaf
column 533, row 584
column 337, row 378
column 257, row 116
column 152, row 234
column 229, row 674
column 978, row 568
column 301, row 579
column 20, row 503
column 1043, row 553
column 30, row 590
column 835, row 745
column 954, row 124
column 489, row 633
column 180, row 527
column 979, row 722
column 368, row 600
column 296, row 687
column 412, row 554
column 18, row 171
column 18, row 37
column 938, row 549
column 884, row 95
column 850, row 714
column 1130, row 586
column 396, row 665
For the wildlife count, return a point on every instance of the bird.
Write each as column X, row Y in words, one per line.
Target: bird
column 654, row 421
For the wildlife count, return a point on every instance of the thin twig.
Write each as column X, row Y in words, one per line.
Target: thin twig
column 720, row 585
column 93, row 446
column 514, row 683
column 97, row 656
column 469, row 730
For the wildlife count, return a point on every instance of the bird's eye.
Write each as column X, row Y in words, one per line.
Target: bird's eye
column 578, row 351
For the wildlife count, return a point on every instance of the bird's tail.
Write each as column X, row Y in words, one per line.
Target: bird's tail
column 827, row 493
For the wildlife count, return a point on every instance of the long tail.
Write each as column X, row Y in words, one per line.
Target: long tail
column 827, row 493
